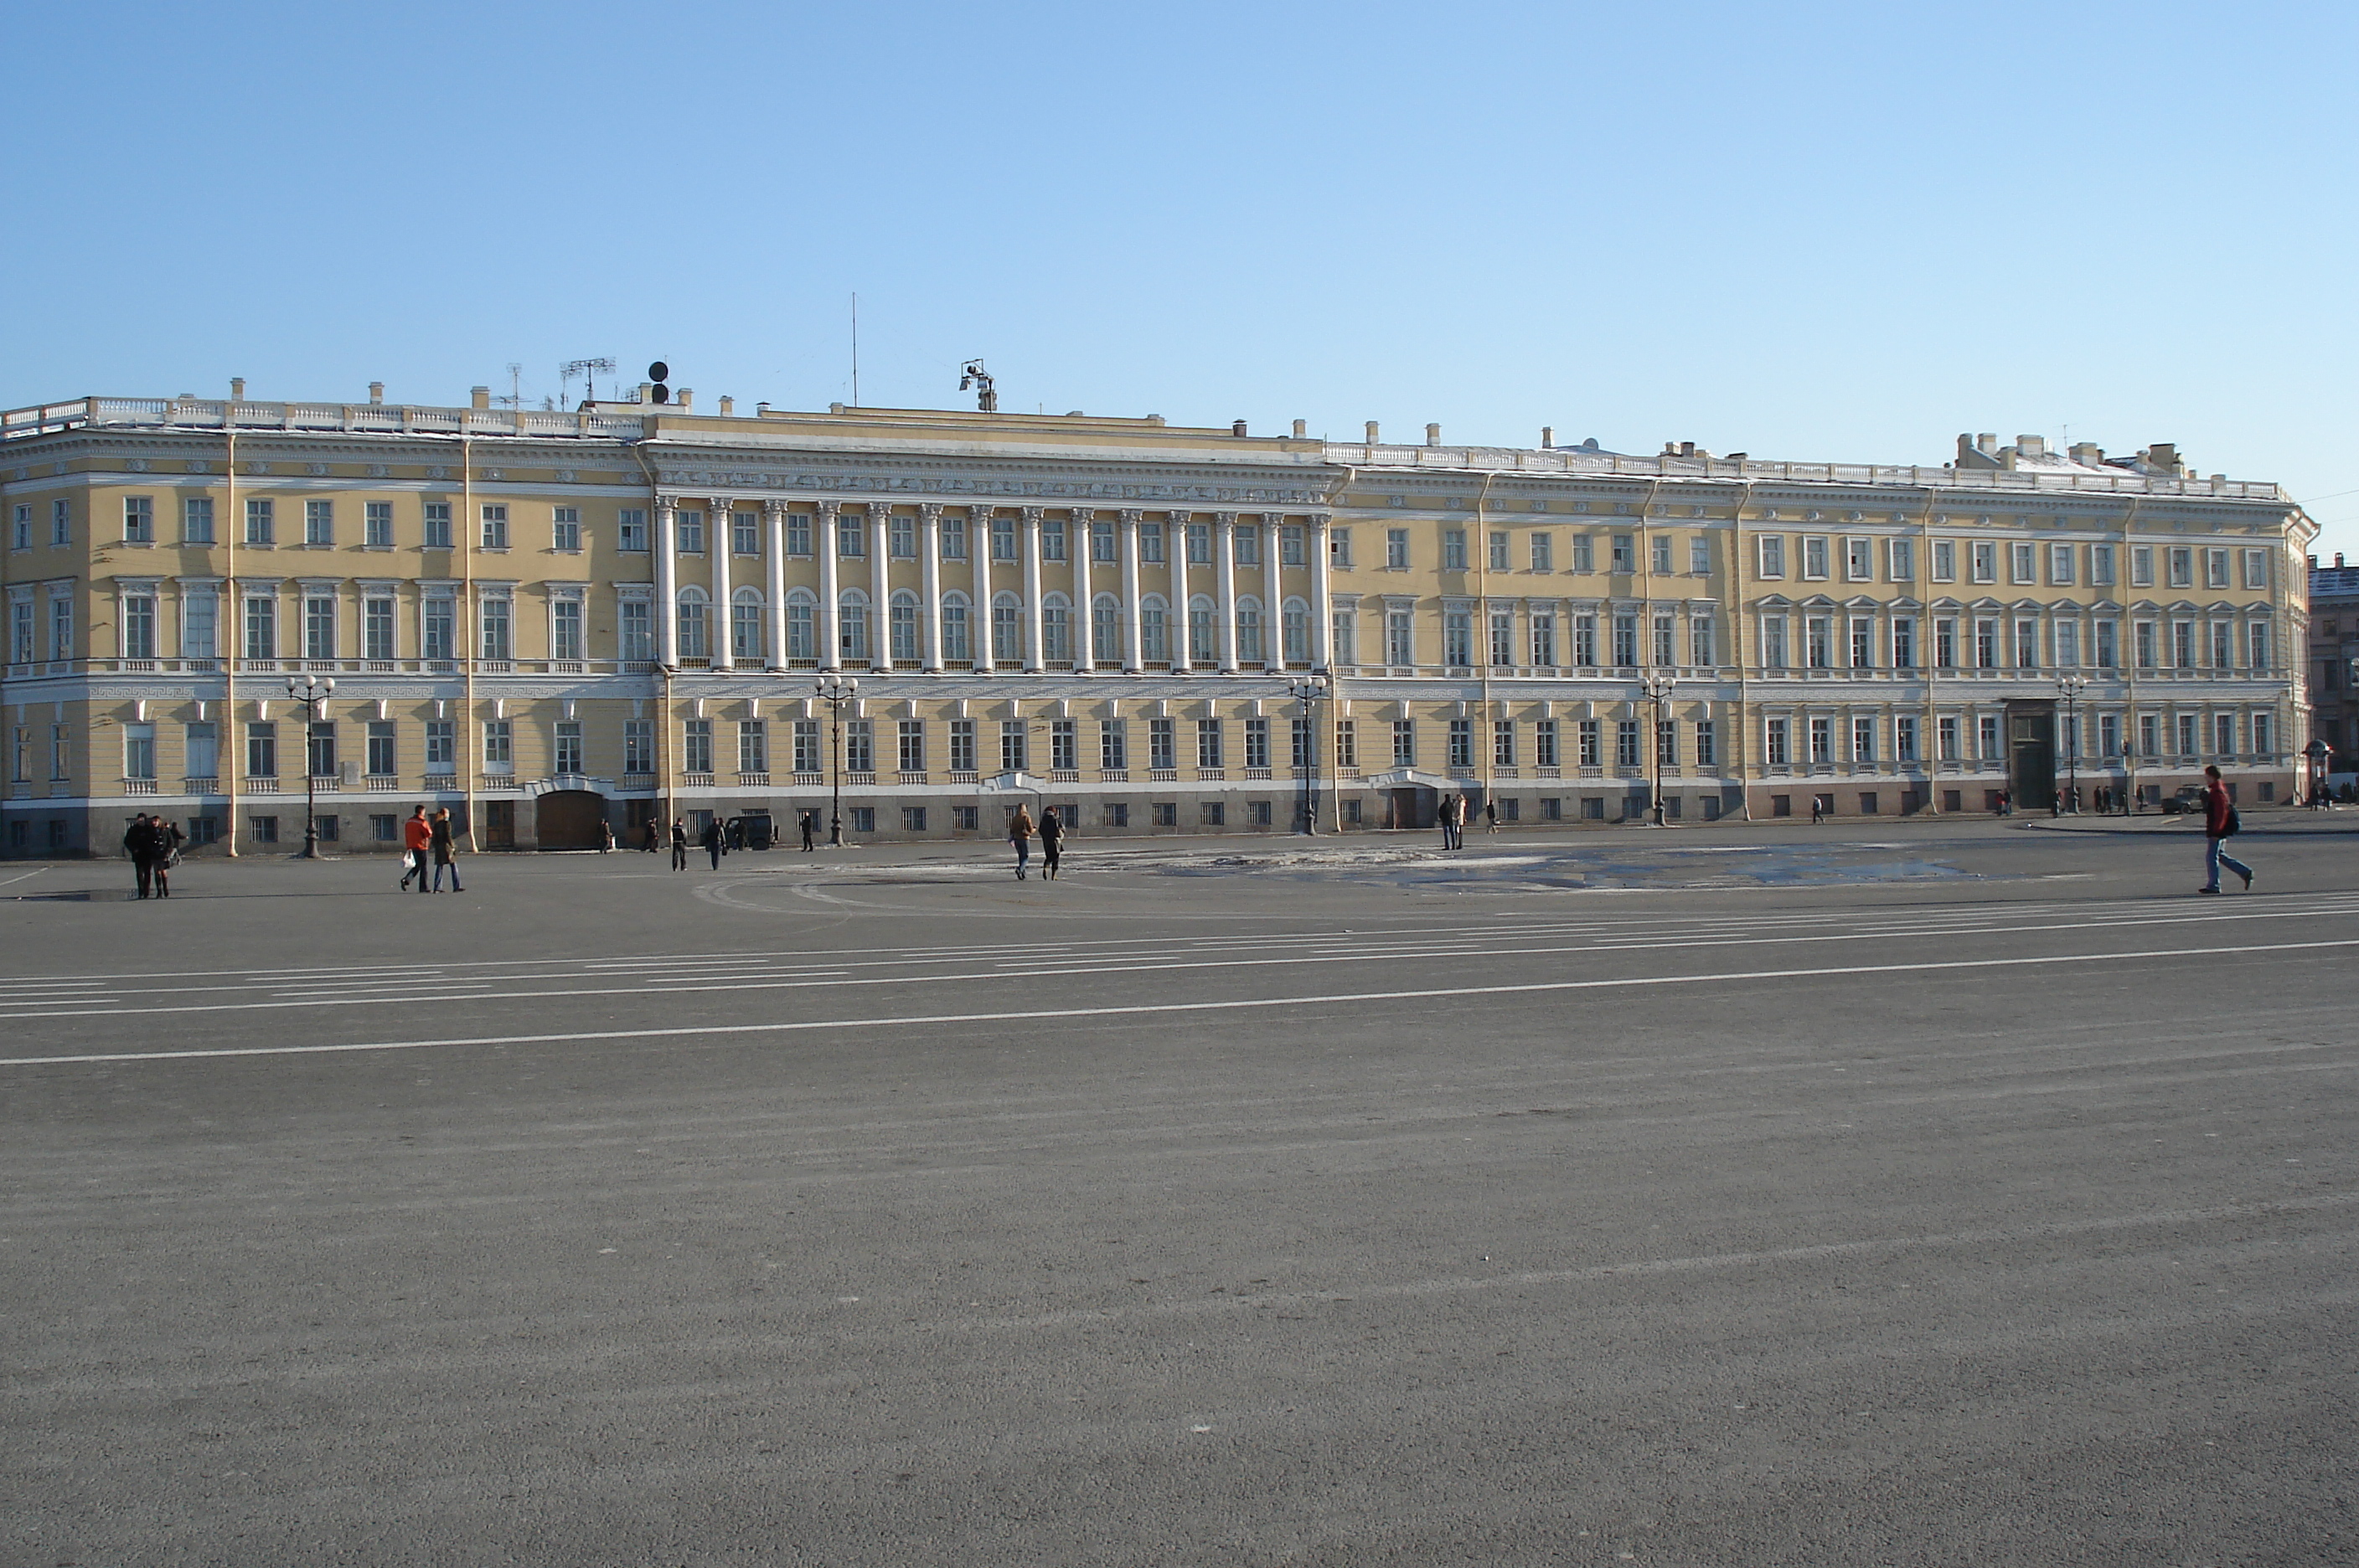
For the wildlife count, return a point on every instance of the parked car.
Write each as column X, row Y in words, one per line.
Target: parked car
column 2189, row 801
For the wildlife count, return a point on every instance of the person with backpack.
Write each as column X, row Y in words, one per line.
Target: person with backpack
column 1052, row 838
column 2220, row 820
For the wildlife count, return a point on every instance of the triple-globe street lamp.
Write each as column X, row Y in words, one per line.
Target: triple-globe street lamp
column 1658, row 685
column 835, row 690
column 311, row 692
column 1307, row 690
column 2070, row 687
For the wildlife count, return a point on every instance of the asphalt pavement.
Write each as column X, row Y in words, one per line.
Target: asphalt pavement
column 1921, row 1193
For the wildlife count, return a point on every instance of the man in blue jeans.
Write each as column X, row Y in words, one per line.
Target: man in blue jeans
column 2216, row 815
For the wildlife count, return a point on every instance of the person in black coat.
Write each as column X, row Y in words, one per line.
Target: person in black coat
column 811, row 830
column 139, row 844
column 713, row 842
column 168, row 839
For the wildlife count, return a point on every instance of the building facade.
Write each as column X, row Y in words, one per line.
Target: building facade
column 552, row 620
column 2334, row 665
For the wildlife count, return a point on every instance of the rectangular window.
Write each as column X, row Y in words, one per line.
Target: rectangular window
column 1859, row 560
column 2258, row 648
column 1900, row 561
column 565, row 529
column 753, row 748
column 2224, row 733
column 638, row 746
column 1822, row 741
column 2101, row 565
column 1904, row 642
column 1626, row 553
column 1626, row 742
column 2061, row 565
column 1461, row 743
column 1948, row 738
column 1208, row 743
column 2183, row 645
column 1774, row 651
column 499, row 747
column 61, row 626
column 2261, row 735
column 199, row 751
column 497, row 644
column 1052, row 539
column 381, row 749
column 1985, row 561
column 261, row 522
column 809, row 758
column 1772, row 548
column 1399, row 638
column 441, row 746
column 1543, row 742
column 631, row 529
column 1700, row 556
column 696, row 746
column 2067, row 645
column 1667, row 743
column 1814, row 557
column 1064, row 746
column 1625, row 642
column 2257, row 575
column 1819, row 631
column 1457, row 638
column 495, row 526
column 1257, row 743
column 1347, row 744
column 2023, row 562
column 1404, row 743
column 1105, row 545
column 262, row 750
column 1904, row 739
column 2108, row 651
column 565, row 629
column 139, row 751
column 139, row 519
column 376, row 628
column 1666, row 642
column 1113, row 745
column 2223, row 644
column 1011, row 746
column 21, row 526
column 1945, row 560
column 1454, row 549
column 1588, row 730
column 1543, row 629
column 60, row 522
column 437, row 525
column 319, row 626
column 1503, row 743
column 138, row 626
column 2182, row 567
column 196, row 519
column 687, row 532
column 2142, row 566
column 2215, row 569
column 1499, row 552
column 261, row 628
column 1150, row 543
column 1161, row 748
column 1862, row 644
column 1707, row 744
column 1246, row 539
column 1396, row 550
column 1002, row 537
column 1502, row 640
column 2027, row 645
column 199, row 633
column 850, row 536
column 1584, row 553
column 1543, row 552
column 745, row 533
column 1339, row 549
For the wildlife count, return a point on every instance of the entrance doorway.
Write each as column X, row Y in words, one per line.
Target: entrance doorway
column 571, row 819
column 2031, row 755
column 1410, row 806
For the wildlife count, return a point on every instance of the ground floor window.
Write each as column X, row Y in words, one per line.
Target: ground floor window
column 913, row 819
column 1117, row 815
column 265, row 830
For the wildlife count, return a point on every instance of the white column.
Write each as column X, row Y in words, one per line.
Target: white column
column 930, row 559
column 978, row 555
column 1175, row 555
column 666, row 589
column 1273, row 626
column 880, row 586
column 831, row 656
column 774, row 605
column 1033, row 659
column 716, row 543
column 1131, row 659
column 1077, row 523
column 1322, row 613
column 1224, row 574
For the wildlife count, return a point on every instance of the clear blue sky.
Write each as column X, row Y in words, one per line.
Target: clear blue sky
column 1802, row 231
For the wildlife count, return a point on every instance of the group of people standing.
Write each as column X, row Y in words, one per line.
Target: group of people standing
column 429, row 840
column 1051, row 831
column 1451, row 817
column 153, row 844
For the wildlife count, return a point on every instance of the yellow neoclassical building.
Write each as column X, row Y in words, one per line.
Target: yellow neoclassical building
column 553, row 622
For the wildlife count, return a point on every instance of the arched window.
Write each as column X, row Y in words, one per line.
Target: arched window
column 1006, row 629
column 802, row 641
column 1106, row 629
column 695, row 641
column 746, row 626
column 1294, row 626
column 1204, row 647
column 904, row 616
column 1154, row 629
column 1249, row 647
column 852, row 626
column 1057, row 629
column 958, row 642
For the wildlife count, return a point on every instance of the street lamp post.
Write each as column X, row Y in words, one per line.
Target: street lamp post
column 2072, row 686
column 1307, row 690
column 835, row 690
column 1658, row 684
column 310, row 690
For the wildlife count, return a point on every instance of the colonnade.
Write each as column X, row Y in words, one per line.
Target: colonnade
column 1085, row 577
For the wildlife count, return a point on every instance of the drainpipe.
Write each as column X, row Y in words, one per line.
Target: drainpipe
column 663, row 656
column 233, row 634
column 1327, row 634
column 1482, row 635
column 2128, row 656
column 1919, row 584
column 466, row 743
column 1743, row 736
column 1650, row 758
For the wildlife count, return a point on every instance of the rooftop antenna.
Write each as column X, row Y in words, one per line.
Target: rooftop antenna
column 972, row 374
column 856, row 351
column 587, row 369
column 514, row 399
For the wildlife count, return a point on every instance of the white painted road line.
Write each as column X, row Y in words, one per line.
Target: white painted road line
column 1151, row 1008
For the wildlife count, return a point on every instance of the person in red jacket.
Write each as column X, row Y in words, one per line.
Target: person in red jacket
column 2217, row 814
column 417, row 834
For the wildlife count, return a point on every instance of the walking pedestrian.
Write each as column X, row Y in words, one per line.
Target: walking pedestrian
column 1814, row 811
column 446, row 851
column 139, row 844
column 713, row 841
column 654, row 836
column 2220, row 820
column 417, row 838
column 168, row 839
column 678, row 844
column 811, row 830
column 1052, row 837
column 605, row 836
column 1019, row 833
column 1490, row 816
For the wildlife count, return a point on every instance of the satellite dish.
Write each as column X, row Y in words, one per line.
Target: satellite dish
column 660, row 371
